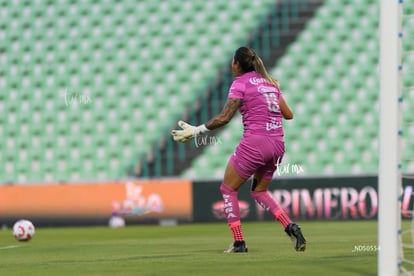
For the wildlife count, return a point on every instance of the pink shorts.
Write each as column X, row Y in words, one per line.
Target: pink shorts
column 257, row 154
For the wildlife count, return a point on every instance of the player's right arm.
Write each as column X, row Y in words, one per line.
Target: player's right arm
column 229, row 109
column 287, row 113
column 189, row 132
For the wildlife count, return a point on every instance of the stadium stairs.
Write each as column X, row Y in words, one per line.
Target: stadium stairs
column 167, row 158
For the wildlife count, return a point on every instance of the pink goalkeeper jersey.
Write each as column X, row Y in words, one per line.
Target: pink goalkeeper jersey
column 260, row 104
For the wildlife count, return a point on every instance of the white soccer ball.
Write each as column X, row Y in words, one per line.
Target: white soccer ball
column 23, row 230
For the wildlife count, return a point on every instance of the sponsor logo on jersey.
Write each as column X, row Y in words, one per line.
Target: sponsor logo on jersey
column 271, row 126
column 256, row 81
column 266, row 89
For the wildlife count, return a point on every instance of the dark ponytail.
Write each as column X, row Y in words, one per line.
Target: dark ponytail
column 250, row 61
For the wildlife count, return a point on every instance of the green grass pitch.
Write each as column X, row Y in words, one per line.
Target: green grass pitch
column 191, row 249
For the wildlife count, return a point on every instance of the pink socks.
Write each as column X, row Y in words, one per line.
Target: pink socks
column 269, row 204
column 282, row 217
column 232, row 211
column 236, row 230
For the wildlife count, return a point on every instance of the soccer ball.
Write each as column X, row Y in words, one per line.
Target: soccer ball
column 23, row 230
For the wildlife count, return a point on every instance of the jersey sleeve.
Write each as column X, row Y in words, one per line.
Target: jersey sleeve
column 236, row 90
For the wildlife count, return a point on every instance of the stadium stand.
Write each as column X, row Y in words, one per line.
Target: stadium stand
column 87, row 87
column 329, row 75
column 275, row 30
column 407, row 96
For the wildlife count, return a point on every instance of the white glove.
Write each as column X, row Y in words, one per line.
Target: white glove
column 188, row 132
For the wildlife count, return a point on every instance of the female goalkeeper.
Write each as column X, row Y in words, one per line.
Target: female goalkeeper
column 259, row 100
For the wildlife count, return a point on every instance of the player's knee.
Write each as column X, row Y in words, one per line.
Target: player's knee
column 224, row 189
column 253, row 191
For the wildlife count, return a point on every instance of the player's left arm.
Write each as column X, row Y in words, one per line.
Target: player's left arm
column 287, row 112
column 225, row 116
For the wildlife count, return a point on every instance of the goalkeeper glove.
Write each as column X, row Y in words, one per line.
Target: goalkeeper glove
column 188, row 132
